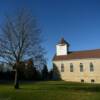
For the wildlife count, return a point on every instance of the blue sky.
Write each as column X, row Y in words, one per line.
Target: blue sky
column 78, row 21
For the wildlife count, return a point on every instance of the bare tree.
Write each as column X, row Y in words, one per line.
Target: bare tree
column 20, row 39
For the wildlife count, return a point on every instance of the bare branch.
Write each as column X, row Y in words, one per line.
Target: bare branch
column 21, row 38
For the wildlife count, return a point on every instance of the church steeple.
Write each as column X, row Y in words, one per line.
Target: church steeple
column 63, row 41
column 62, row 47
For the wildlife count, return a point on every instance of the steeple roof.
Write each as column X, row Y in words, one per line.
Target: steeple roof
column 63, row 41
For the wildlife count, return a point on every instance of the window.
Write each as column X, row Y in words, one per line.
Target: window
column 91, row 67
column 71, row 67
column 92, row 80
column 82, row 81
column 62, row 67
column 81, row 67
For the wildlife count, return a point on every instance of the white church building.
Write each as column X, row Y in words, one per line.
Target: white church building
column 76, row 66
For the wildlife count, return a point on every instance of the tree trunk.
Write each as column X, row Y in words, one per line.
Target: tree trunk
column 16, row 85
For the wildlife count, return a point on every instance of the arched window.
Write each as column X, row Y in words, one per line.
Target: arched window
column 62, row 67
column 91, row 67
column 71, row 67
column 81, row 67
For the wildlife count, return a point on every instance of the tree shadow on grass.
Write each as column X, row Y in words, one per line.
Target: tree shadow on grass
column 82, row 88
column 32, row 90
column 68, row 86
column 63, row 88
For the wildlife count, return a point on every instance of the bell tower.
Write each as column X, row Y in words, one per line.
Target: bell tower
column 62, row 47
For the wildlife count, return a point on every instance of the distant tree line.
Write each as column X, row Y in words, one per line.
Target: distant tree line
column 28, row 72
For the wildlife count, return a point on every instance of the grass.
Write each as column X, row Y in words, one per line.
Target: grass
column 50, row 90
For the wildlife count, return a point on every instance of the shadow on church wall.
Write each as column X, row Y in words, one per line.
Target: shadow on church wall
column 56, row 73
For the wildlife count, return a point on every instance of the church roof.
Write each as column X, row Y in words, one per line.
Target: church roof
column 78, row 55
column 63, row 41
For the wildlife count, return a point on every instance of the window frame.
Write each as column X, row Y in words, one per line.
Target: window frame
column 91, row 67
column 71, row 67
column 81, row 67
column 62, row 67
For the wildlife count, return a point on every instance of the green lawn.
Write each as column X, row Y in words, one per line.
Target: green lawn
column 50, row 90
